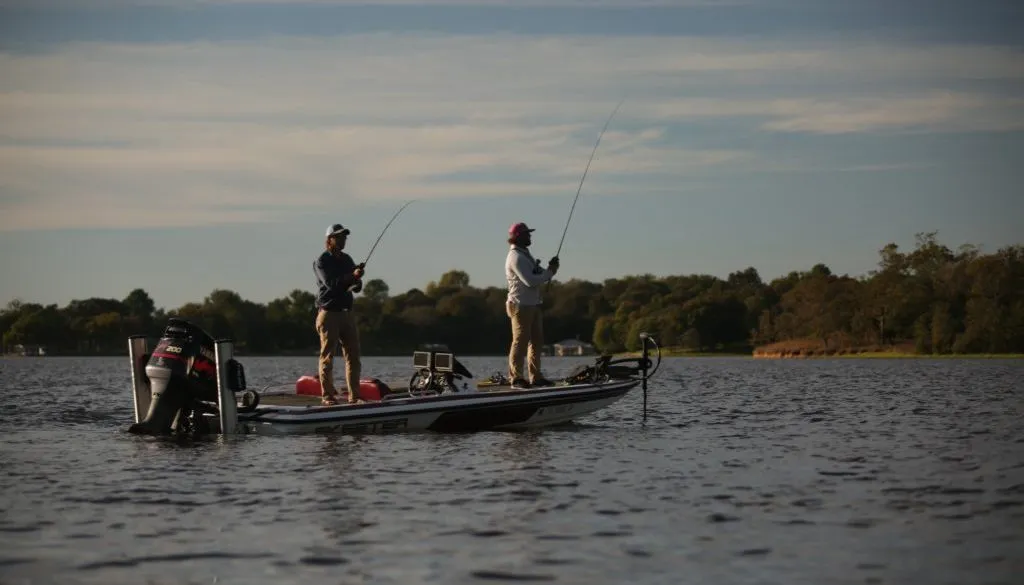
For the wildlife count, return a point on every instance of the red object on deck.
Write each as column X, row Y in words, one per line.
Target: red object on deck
column 308, row 386
column 372, row 389
column 369, row 388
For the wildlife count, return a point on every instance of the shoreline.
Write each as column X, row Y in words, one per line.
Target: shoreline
column 891, row 355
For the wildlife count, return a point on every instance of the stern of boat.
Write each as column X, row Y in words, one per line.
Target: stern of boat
column 186, row 384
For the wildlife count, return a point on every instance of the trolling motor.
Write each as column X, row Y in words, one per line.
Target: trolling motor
column 605, row 368
column 645, row 341
column 182, row 380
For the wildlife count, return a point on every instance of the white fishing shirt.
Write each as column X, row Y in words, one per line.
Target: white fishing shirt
column 524, row 277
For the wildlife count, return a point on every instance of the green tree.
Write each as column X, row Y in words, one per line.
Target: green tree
column 46, row 326
column 940, row 299
column 376, row 290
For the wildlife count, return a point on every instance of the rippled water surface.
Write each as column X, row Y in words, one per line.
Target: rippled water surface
column 781, row 472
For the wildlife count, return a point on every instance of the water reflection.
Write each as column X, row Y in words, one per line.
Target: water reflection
column 780, row 470
column 525, row 481
column 527, row 448
column 342, row 486
column 336, row 449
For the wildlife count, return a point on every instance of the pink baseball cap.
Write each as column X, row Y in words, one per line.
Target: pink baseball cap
column 518, row 229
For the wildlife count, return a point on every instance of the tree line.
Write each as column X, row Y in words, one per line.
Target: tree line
column 941, row 300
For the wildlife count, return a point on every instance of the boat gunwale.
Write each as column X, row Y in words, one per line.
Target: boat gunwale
column 547, row 396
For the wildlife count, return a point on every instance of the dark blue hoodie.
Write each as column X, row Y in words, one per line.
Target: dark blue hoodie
column 334, row 277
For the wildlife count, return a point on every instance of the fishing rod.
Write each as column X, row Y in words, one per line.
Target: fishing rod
column 580, row 188
column 374, row 247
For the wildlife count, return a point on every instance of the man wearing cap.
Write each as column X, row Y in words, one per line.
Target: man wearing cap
column 337, row 276
column 523, row 305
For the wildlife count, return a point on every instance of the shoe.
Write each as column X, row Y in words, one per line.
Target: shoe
column 542, row 382
column 519, row 383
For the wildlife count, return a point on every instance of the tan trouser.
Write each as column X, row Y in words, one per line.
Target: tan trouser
column 527, row 339
column 335, row 327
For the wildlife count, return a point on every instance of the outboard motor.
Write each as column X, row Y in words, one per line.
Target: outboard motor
column 181, row 370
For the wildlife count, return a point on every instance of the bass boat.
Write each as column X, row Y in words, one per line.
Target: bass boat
column 191, row 384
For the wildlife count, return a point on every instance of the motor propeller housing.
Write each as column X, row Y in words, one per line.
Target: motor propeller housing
column 181, row 370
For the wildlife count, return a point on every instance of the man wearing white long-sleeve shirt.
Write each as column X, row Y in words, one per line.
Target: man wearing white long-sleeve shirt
column 523, row 305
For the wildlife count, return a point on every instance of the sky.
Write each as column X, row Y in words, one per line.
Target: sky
column 185, row 146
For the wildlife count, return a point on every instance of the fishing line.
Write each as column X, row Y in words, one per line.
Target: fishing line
column 580, row 188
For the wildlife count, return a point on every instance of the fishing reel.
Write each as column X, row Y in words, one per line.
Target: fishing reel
column 427, row 383
column 538, row 264
column 358, row 286
column 498, row 379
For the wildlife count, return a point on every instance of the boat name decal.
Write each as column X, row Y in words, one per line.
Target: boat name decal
column 562, row 409
column 377, row 426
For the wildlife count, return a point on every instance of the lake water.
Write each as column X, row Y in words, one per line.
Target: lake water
column 768, row 472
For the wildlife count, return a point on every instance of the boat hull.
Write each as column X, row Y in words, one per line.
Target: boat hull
column 510, row 409
column 439, row 397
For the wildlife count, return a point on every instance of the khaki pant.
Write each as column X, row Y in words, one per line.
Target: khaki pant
column 527, row 339
column 335, row 327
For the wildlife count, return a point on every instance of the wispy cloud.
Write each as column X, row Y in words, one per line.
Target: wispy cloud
column 79, row 4
column 925, row 111
column 146, row 134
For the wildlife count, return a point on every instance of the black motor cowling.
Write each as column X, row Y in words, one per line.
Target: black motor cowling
column 181, row 371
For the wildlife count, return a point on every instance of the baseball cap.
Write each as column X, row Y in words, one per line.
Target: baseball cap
column 518, row 229
column 337, row 230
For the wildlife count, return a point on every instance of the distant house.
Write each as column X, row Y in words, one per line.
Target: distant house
column 29, row 350
column 574, row 347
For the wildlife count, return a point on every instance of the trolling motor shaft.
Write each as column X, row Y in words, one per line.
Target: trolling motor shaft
column 645, row 362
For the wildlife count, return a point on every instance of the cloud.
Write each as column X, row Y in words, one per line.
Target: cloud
column 932, row 110
column 944, row 111
column 115, row 135
column 99, row 4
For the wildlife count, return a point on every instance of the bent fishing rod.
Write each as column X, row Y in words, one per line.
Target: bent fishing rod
column 584, row 177
column 374, row 247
